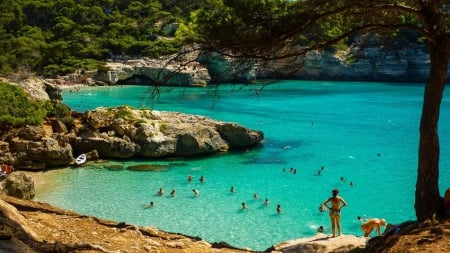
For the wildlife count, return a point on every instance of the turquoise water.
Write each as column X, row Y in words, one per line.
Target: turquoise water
column 364, row 132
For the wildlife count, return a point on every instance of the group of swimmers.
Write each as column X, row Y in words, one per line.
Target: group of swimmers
column 343, row 179
column 160, row 192
column 292, row 170
column 196, row 192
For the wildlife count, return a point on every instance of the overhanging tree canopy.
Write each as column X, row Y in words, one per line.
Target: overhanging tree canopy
column 279, row 29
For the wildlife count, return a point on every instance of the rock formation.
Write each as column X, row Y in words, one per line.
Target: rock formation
column 122, row 133
column 156, row 72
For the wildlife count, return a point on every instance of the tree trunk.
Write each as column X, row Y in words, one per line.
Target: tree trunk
column 428, row 199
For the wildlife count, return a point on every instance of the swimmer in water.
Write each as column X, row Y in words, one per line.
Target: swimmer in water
column 320, row 229
column 196, row 192
column 151, row 204
column 278, row 209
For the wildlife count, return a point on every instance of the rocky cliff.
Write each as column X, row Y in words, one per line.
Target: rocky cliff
column 369, row 63
column 185, row 72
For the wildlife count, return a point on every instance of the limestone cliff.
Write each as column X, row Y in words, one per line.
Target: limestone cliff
column 156, row 72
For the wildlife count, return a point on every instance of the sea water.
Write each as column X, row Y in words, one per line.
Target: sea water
column 365, row 133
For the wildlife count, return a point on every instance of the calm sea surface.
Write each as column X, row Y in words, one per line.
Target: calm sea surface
column 366, row 133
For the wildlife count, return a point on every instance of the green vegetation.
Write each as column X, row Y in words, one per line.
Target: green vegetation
column 60, row 111
column 124, row 113
column 16, row 109
column 61, row 36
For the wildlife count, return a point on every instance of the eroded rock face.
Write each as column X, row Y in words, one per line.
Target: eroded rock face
column 40, row 153
column 237, row 136
column 19, row 185
column 355, row 64
column 163, row 72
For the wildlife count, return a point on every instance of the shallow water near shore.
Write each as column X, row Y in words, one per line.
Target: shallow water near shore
column 364, row 132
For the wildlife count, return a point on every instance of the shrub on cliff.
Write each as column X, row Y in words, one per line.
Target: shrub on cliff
column 60, row 111
column 17, row 109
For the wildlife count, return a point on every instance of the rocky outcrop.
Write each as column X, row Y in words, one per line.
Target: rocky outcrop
column 37, row 88
column 224, row 69
column 124, row 132
column 156, row 72
column 33, row 148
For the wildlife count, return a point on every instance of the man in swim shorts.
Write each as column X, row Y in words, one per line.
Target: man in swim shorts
column 335, row 211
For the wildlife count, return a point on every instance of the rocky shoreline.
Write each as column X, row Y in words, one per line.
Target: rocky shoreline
column 122, row 133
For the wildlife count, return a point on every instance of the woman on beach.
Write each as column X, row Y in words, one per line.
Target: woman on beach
column 335, row 210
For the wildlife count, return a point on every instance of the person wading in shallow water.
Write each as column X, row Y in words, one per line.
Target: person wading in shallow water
column 335, row 211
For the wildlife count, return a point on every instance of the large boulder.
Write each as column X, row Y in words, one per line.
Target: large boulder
column 48, row 152
column 239, row 137
column 19, row 185
column 106, row 146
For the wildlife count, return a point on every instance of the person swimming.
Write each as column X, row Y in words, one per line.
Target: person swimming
column 172, row 193
column 151, row 204
column 244, row 206
column 279, row 209
column 160, row 192
column 196, row 192
column 232, row 189
column 320, row 229
column 266, row 202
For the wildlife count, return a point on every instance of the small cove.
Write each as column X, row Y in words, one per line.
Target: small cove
column 364, row 132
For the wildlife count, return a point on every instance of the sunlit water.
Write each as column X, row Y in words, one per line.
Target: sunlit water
column 364, row 132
